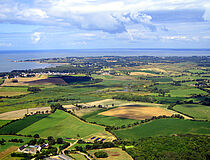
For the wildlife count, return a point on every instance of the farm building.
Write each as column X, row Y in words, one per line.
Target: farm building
column 29, row 149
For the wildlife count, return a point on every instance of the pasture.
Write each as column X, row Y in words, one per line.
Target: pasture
column 107, row 120
column 3, row 122
column 10, row 144
column 13, row 91
column 113, row 154
column 62, row 124
column 18, row 125
column 200, row 112
column 163, row 127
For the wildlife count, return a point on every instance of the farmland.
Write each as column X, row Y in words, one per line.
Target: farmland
column 113, row 154
column 62, row 124
column 163, row 127
column 197, row 111
column 10, row 144
column 129, row 98
column 18, row 125
column 136, row 112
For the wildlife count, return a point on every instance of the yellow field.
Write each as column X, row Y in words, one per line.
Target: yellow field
column 113, row 153
column 12, row 115
column 142, row 74
column 23, row 81
column 135, row 112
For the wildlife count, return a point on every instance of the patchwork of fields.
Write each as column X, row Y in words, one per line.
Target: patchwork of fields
column 153, row 89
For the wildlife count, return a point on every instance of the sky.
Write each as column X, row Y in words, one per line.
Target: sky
column 90, row 24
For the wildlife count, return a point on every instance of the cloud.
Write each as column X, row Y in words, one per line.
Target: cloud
column 2, row 44
column 206, row 15
column 35, row 37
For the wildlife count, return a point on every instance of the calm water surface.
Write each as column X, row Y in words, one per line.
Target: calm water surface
column 6, row 57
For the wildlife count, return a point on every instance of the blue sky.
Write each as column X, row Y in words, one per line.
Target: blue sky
column 81, row 24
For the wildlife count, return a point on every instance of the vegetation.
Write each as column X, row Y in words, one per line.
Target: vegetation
column 62, row 124
column 101, row 154
column 182, row 84
column 15, row 126
column 183, row 147
column 197, row 111
column 163, row 127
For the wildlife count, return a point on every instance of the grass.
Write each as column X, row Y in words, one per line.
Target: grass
column 3, row 122
column 18, row 125
column 9, row 144
column 197, row 111
column 107, row 120
column 13, row 91
column 186, row 92
column 77, row 156
column 113, row 154
column 164, row 127
column 62, row 124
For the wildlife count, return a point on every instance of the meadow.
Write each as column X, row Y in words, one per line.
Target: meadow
column 3, row 122
column 13, row 91
column 200, row 112
column 62, row 124
column 10, row 144
column 18, row 125
column 163, row 127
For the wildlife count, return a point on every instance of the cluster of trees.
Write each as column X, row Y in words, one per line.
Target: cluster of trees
column 95, row 145
column 56, row 106
column 15, row 140
column 33, row 89
column 130, row 97
column 161, row 92
column 101, row 154
column 2, row 141
column 183, row 147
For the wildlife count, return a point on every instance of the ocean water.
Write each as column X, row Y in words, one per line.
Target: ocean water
column 6, row 57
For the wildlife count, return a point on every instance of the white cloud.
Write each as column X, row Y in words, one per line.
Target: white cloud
column 2, row 44
column 35, row 37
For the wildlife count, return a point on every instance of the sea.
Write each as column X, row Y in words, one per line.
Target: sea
column 7, row 58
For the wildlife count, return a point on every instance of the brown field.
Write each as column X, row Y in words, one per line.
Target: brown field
column 48, row 81
column 12, row 115
column 37, row 80
column 10, row 94
column 23, row 81
column 136, row 112
column 113, row 153
column 8, row 151
column 142, row 74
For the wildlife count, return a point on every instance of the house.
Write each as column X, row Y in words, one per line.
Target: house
column 59, row 157
column 29, row 149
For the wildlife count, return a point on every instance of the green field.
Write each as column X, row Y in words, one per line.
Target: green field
column 77, row 156
column 164, row 127
column 13, row 91
column 3, row 122
column 186, row 92
column 9, row 144
column 197, row 111
column 62, row 124
column 21, row 124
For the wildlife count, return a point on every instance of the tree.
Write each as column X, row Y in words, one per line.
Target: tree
column 36, row 136
column 60, row 140
column 101, row 154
